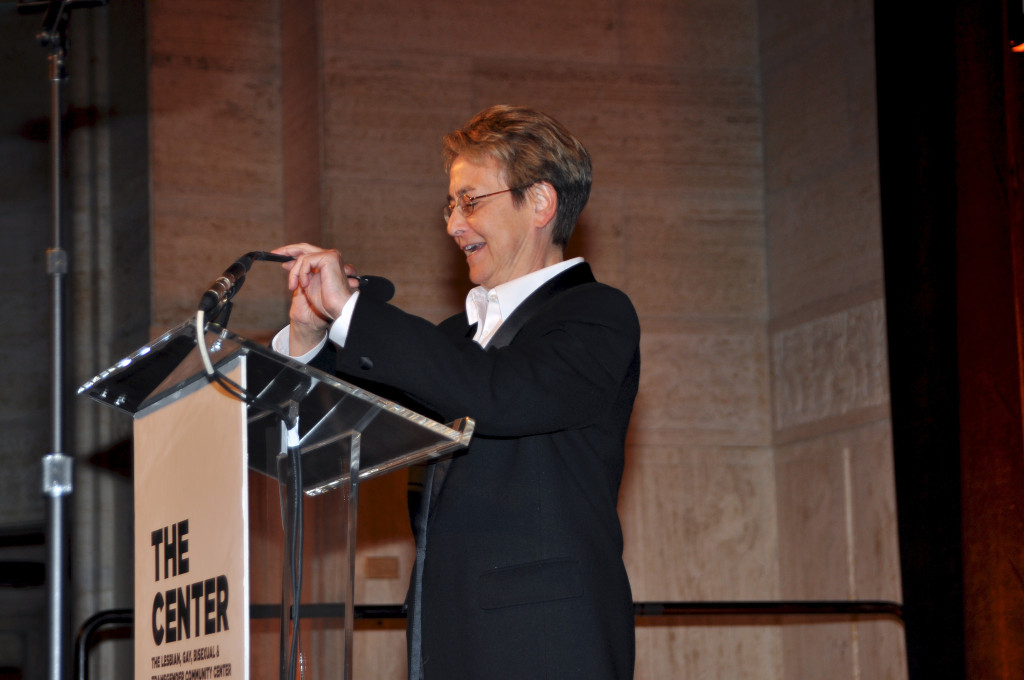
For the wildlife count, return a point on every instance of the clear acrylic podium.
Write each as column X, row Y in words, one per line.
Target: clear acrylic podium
column 224, row 543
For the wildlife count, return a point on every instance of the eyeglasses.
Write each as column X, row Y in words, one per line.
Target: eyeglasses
column 467, row 204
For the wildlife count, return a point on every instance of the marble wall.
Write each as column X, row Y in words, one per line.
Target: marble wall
column 735, row 201
column 830, row 385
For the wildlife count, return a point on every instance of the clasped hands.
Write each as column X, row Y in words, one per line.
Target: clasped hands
column 320, row 285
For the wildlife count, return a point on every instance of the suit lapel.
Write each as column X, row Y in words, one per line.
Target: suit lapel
column 574, row 276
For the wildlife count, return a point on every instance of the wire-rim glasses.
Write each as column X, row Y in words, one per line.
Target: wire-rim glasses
column 467, row 204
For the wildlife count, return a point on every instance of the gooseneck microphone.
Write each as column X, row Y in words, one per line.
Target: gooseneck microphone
column 216, row 302
column 230, row 282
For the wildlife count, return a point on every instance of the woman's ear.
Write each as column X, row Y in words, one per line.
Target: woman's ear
column 545, row 203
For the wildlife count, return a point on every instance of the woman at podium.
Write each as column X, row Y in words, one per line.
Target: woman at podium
column 519, row 570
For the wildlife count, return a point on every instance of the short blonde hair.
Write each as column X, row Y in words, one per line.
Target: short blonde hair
column 531, row 147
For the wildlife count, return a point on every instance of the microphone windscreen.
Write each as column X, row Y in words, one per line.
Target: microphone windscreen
column 377, row 287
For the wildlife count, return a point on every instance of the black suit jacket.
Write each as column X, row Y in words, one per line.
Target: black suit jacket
column 523, row 576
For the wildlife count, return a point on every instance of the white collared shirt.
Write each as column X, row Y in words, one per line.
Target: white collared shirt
column 486, row 308
column 489, row 308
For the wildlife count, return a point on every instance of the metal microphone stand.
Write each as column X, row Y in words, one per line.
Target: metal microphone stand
column 58, row 472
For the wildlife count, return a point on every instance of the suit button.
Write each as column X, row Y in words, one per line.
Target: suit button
column 365, row 363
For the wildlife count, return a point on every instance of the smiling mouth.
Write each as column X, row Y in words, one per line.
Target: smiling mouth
column 472, row 248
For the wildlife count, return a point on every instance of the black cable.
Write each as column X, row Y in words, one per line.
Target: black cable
column 213, row 374
column 295, row 458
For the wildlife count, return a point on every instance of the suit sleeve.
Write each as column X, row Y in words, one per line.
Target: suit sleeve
column 564, row 370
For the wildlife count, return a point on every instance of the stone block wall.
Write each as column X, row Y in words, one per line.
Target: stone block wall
column 735, row 201
column 831, row 424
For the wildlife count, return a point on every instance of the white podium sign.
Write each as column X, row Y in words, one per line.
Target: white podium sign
column 191, row 536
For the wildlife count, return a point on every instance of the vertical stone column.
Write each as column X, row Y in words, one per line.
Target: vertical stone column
column 108, row 163
column 831, row 428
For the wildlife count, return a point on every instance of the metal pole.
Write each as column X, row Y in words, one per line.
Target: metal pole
column 57, row 466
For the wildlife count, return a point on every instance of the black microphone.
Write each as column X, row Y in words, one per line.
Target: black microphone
column 226, row 285
column 230, row 282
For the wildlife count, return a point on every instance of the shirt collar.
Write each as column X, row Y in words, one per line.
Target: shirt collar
column 511, row 294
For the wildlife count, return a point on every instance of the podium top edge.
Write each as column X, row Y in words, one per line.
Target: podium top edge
column 170, row 363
